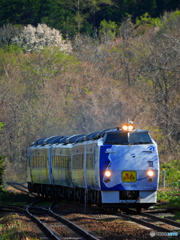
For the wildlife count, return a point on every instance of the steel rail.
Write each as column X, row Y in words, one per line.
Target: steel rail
column 11, row 208
column 72, row 225
column 40, row 222
column 140, row 221
column 26, row 210
column 68, row 223
column 168, row 221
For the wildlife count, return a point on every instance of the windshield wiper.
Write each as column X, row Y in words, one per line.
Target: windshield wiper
column 140, row 143
column 120, row 143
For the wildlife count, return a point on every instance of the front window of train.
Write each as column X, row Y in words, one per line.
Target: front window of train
column 116, row 138
column 127, row 138
column 139, row 138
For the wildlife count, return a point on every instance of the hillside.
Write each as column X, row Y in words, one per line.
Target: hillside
column 96, row 84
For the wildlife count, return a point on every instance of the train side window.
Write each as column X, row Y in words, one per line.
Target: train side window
column 64, row 159
column 60, row 161
column 90, row 161
column 77, row 161
column 66, row 163
column 38, row 162
column 56, row 161
column 28, row 161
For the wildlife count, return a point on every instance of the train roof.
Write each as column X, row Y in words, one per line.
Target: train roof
column 51, row 139
column 73, row 138
column 57, row 140
column 81, row 137
column 120, row 130
column 39, row 141
column 91, row 135
column 63, row 140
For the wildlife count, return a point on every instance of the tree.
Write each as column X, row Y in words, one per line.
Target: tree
column 108, row 28
column 33, row 39
column 7, row 32
column 2, row 164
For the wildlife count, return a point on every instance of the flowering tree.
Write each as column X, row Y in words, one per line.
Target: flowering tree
column 32, row 38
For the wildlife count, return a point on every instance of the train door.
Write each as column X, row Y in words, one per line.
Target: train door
column 50, row 164
column 30, row 164
column 96, row 165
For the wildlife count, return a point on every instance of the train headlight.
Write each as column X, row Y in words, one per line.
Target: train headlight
column 131, row 127
column 128, row 127
column 124, row 127
column 107, row 173
column 150, row 173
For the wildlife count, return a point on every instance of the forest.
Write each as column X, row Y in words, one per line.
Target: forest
column 54, row 81
column 80, row 16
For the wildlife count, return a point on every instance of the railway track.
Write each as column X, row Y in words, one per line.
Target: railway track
column 50, row 221
column 150, row 221
column 20, row 187
column 145, row 219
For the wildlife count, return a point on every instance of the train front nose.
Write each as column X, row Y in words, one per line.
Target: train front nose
column 128, row 173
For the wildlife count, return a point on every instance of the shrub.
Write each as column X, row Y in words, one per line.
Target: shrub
column 35, row 38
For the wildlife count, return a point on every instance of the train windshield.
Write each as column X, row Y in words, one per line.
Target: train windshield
column 127, row 138
column 139, row 138
column 116, row 138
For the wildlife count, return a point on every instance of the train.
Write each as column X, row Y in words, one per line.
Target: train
column 114, row 168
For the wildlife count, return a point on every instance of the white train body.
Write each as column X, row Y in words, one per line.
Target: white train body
column 115, row 170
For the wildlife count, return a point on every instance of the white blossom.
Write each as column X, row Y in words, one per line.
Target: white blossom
column 32, row 38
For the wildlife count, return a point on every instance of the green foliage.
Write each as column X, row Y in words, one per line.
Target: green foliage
column 109, row 28
column 177, row 215
column 170, row 21
column 173, row 16
column 12, row 48
column 173, row 197
column 70, row 16
column 148, row 20
column 1, row 125
column 172, row 172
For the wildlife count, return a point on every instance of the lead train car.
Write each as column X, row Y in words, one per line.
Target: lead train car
column 120, row 168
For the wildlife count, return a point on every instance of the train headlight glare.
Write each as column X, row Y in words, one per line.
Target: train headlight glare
column 107, row 173
column 150, row 173
column 131, row 127
column 128, row 127
column 124, row 127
